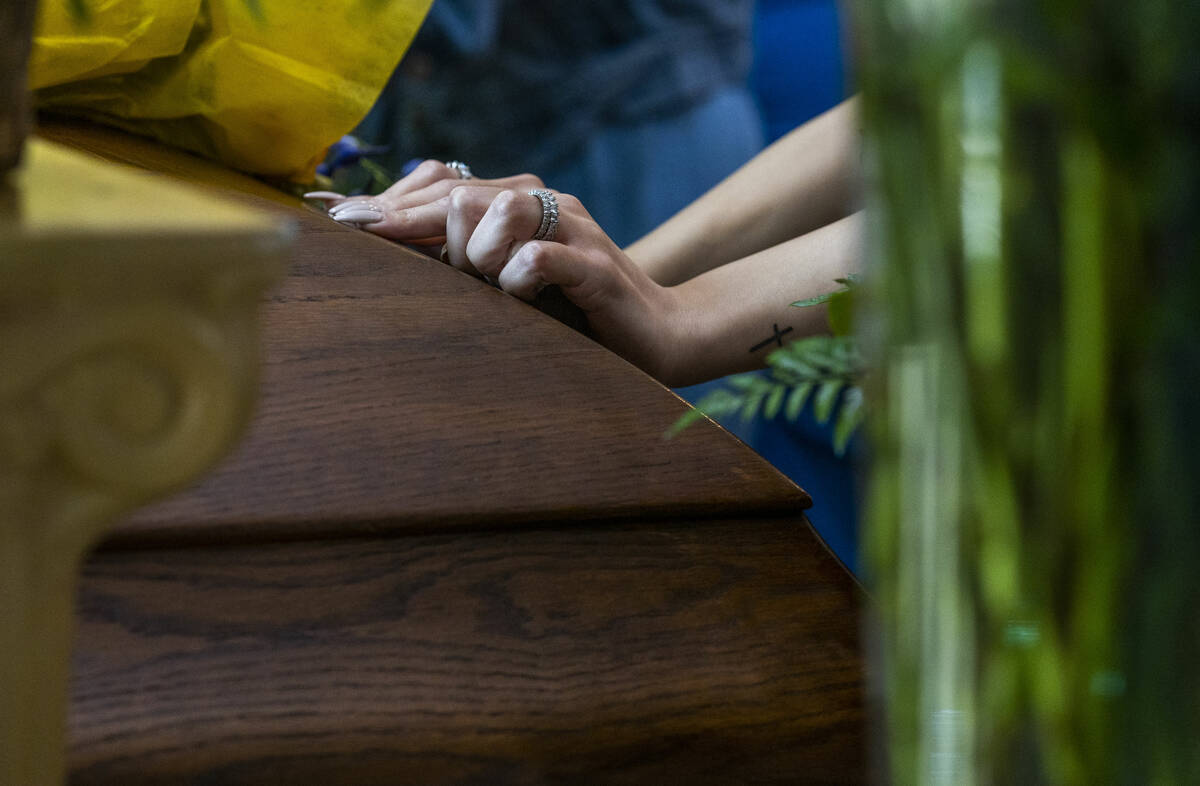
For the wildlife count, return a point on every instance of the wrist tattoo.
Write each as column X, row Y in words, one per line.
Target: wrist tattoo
column 777, row 338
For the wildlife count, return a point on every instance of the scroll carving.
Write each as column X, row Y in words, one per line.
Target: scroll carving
column 114, row 407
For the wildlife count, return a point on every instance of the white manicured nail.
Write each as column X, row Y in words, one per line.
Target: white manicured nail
column 360, row 215
column 324, row 195
column 357, row 204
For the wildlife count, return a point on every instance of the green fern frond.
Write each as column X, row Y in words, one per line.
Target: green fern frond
column 825, row 368
column 796, row 399
column 849, row 418
column 826, row 398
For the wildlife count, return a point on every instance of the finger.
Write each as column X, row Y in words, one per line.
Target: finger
column 538, row 264
column 393, row 199
column 414, row 225
column 427, row 172
column 468, row 204
column 518, row 182
column 513, row 217
column 354, row 203
column 358, row 213
column 436, row 190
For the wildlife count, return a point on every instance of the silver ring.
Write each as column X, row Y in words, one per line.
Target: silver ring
column 549, row 227
column 464, row 171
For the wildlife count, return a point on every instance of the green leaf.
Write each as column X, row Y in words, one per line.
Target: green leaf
column 753, row 402
column 815, row 301
column 816, row 353
column 796, row 400
column 845, row 351
column 379, row 175
column 841, row 313
column 849, row 417
column 790, row 363
column 685, row 420
column 826, row 398
column 720, row 402
column 774, row 401
column 746, row 382
column 715, row 404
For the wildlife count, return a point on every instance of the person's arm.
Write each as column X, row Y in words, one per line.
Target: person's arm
column 733, row 316
column 804, row 181
column 718, row 323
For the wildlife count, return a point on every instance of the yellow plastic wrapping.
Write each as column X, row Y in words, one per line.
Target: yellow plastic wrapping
column 263, row 85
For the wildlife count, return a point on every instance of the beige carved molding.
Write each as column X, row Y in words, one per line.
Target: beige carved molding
column 128, row 366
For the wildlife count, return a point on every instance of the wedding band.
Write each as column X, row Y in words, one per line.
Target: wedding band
column 464, row 171
column 549, row 227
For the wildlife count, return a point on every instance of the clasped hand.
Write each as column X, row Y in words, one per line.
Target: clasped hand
column 485, row 228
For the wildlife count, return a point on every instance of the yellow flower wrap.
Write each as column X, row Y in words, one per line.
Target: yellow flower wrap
column 262, row 85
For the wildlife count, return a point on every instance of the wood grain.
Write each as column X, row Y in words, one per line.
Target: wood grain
column 697, row 652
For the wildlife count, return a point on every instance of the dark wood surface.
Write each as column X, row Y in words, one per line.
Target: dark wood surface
column 700, row 652
column 455, row 548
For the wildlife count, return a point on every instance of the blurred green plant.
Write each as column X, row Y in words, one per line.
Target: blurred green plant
column 1035, row 277
column 827, row 370
column 350, row 168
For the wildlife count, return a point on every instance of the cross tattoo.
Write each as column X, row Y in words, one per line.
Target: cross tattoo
column 777, row 338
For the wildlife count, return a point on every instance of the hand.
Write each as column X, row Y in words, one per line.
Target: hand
column 488, row 232
column 413, row 210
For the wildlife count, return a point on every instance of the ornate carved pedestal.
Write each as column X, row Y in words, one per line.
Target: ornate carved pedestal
column 127, row 367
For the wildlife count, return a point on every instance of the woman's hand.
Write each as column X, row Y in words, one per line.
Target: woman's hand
column 722, row 321
column 489, row 233
column 414, row 209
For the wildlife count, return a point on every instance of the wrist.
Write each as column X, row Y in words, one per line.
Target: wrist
column 684, row 329
column 647, row 259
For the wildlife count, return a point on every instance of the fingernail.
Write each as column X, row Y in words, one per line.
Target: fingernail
column 324, row 195
column 358, row 215
column 355, row 205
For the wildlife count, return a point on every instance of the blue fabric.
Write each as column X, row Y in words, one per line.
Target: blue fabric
column 799, row 68
column 632, row 177
column 510, row 85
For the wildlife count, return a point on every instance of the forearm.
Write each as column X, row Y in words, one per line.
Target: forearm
column 807, row 179
column 730, row 318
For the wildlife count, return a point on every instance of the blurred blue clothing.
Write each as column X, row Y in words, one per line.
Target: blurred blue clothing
column 633, row 177
column 570, row 88
column 799, row 68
